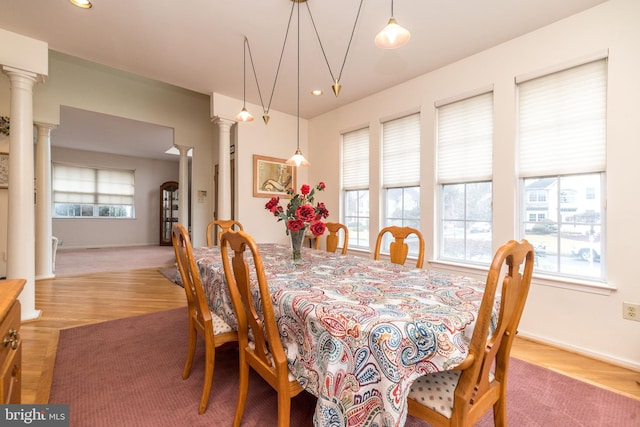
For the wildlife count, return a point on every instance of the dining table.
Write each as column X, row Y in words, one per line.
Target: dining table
column 357, row 332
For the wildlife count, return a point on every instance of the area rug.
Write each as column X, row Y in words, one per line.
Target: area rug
column 127, row 372
column 172, row 274
column 73, row 262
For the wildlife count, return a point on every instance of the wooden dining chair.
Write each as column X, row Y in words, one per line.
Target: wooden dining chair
column 264, row 353
column 398, row 249
column 222, row 225
column 213, row 330
column 332, row 240
column 460, row 397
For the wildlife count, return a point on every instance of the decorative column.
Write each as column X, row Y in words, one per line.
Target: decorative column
column 183, row 186
column 224, row 167
column 21, row 218
column 44, row 227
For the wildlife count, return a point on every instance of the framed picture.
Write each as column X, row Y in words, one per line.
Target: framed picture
column 272, row 177
column 4, row 170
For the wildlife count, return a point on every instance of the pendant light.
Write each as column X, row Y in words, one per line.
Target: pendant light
column 244, row 115
column 298, row 159
column 393, row 35
column 336, row 86
column 84, row 4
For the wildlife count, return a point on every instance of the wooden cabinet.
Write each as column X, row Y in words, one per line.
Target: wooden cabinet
column 11, row 342
column 168, row 210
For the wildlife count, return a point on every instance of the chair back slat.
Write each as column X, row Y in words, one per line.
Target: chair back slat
column 491, row 351
column 190, row 276
column 256, row 317
column 222, row 225
column 333, row 239
column 399, row 249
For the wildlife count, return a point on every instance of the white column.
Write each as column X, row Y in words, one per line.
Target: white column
column 183, row 186
column 44, row 233
column 224, row 167
column 21, row 218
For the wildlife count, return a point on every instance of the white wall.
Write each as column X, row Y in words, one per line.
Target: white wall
column 144, row 229
column 278, row 139
column 586, row 322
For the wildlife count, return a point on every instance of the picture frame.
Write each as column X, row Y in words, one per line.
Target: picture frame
column 4, row 170
column 272, row 177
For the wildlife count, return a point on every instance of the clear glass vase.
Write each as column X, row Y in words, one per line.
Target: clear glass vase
column 296, row 244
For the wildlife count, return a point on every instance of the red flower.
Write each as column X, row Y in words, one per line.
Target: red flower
column 317, row 228
column 295, row 224
column 271, row 203
column 305, row 213
column 300, row 211
column 321, row 211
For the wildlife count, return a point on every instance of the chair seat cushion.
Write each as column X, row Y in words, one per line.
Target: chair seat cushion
column 219, row 325
column 435, row 391
column 252, row 346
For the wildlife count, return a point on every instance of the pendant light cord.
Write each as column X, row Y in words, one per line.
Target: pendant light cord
column 244, row 73
column 298, row 121
column 275, row 80
column 344, row 61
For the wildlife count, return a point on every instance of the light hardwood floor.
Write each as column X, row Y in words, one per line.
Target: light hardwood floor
column 75, row 301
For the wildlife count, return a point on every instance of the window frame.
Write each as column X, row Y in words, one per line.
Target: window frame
column 91, row 204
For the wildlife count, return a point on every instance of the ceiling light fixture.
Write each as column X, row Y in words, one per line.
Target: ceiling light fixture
column 336, row 80
column 85, row 4
column 336, row 86
column 244, row 115
column 298, row 159
column 393, row 35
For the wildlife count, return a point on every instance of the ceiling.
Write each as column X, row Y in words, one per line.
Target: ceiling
column 198, row 44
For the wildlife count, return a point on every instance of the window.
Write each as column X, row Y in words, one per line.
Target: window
column 89, row 192
column 465, row 143
column 401, row 176
column 355, row 186
column 562, row 145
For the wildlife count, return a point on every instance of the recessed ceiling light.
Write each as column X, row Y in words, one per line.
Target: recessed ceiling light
column 316, row 92
column 85, row 4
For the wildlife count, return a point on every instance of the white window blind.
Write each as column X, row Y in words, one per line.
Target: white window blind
column 562, row 123
column 355, row 159
column 465, row 140
column 82, row 185
column 401, row 152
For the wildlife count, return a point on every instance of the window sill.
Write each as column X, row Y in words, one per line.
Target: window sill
column 574, row 284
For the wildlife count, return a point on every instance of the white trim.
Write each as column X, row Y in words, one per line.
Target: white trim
column 463, row 96
column 576, row 62
column 480, row 272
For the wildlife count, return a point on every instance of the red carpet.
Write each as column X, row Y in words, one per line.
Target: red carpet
column 128, row 373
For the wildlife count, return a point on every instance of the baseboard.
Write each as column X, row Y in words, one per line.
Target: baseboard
column 607, row 358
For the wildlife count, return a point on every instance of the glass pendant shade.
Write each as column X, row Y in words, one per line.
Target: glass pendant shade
column 244, row 116
column 85, row 4
column 298, row 159
column 392, row 36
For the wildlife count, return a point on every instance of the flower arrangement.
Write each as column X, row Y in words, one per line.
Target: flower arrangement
column 5, row 125
column 300, row 212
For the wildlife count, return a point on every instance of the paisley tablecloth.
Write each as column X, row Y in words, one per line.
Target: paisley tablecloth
column 358, row 332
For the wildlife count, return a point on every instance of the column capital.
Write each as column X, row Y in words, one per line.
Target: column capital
column 17, row 72
column 42, row 125
column 222, row 121
column 183, row 149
